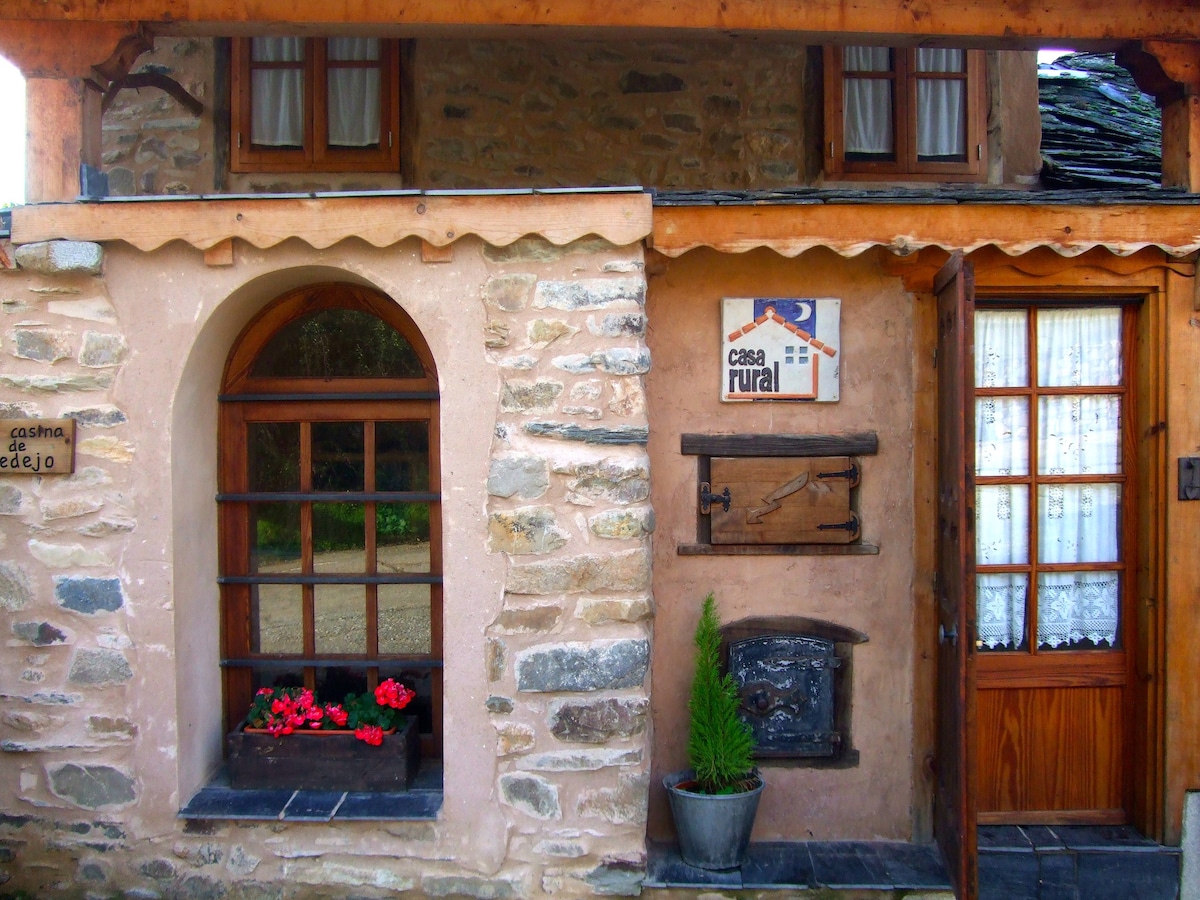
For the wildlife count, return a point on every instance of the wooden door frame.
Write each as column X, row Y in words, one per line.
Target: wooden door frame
column 1161, row 768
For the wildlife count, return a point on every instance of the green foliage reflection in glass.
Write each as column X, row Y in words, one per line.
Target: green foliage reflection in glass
column 338, row 343
column 336, row 526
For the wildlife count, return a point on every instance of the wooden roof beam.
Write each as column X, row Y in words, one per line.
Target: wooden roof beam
column 1000, row 23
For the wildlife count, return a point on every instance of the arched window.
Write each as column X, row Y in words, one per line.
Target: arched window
column 330, row 511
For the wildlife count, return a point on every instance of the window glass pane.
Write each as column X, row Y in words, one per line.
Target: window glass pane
column 354, row 107
column 275, row 538
column 941, row 120
column 1078, row 522
column 402, row 537
column 933, row 59
column 1078, row 609
column 1000, row 610
column 277, row 49
column 339, row 538
column 1001, row 524
column 337, row 456
column 277, row 619
column 273, row 678
column 866, row 59
column 273, row 456
column 335, row 682
column 338, row 343
column 340, row 612
column 868, row 128
column 1079, row 347
column 277, row 107
column 1001, row 348
column 1079, row 435
column 1001, row 436
column 341, row 49
column 404, row 620
column 402, row 456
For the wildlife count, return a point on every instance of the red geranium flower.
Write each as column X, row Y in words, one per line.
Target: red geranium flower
column 372, row 734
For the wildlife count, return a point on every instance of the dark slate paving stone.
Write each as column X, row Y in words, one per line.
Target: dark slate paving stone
column 1125, row 875
column 1008, row 876
column 1042, row 837
column 1104, row 837
column 226, row 803
column 913, row 865
column 1056, row 876
column 312, row 806
column 1008, row 838
column 665, row 868
column 390, row 806
column 847, row 864
column 777, row 864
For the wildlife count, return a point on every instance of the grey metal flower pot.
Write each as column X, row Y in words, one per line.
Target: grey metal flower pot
column 714, row 830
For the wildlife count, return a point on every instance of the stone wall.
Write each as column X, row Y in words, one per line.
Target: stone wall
column 109, row 699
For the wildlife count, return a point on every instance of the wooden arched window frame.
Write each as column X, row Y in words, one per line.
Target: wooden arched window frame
column 330, row 504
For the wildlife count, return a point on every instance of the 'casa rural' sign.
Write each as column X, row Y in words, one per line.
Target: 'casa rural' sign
column 780, row 348
column 37, row 446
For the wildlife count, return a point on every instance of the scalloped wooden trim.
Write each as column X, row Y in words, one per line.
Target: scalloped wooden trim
column 321, row 222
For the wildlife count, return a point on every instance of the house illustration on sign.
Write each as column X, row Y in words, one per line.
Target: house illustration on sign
column 773, row 348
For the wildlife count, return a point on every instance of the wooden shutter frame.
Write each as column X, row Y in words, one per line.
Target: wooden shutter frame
column 315, row 155
column 906, row 166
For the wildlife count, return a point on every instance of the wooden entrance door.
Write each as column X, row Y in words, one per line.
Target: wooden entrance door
column 1052, row 403
column 954, row 806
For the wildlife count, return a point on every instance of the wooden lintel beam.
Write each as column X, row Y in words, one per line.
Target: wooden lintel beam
column 72, row 49
column 851, row 229
column 1101, row 21
column 620, row 218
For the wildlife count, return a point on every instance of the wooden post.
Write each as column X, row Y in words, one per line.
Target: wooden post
column 1181, row 144
column 57, row 139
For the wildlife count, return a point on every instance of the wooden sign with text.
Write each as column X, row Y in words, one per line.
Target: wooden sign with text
column 37, row 446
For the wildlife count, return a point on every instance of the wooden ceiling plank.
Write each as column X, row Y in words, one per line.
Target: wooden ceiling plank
column 1104, row 21
column 381, row 221
column 851, row 229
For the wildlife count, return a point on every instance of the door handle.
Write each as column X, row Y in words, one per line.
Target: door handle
column 948, row 636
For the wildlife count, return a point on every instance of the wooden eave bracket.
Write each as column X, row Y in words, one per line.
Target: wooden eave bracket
column 382, row 221
column 100, row 52
column 1167, row 70
column 165, row 83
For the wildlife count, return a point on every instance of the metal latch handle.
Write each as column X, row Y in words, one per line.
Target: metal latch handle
column 707, row 498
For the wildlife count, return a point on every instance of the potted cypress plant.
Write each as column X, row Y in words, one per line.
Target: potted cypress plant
column 714, row 803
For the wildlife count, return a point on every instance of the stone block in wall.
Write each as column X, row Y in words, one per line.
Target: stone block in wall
column 622, row 524
column 513, row 737
column 543, row 332
column 101, row 350
column 476, row 886
column 538, row 249
column 100, row 416
column 609, row 610
column 527, row 620
column 626, row 804
column 589, row 293
column 89, row 595
column 61, row 257
column 616, row 361
column 509, row 293
column 628, row 571
column 581, row 760
column 577, row 666
column 70, row 508
column 617, row 878
column 530, row 529
column 99, row 668
column 39, row 634
column 523, row 396
column 616, row 436
column 618, row 325
column 40, row 344
column 598, row 721
column 531, row 794
column 56, row 384
column 523, row 476
column 65, row 556
column 16, row 590
column 10, row 500
column 92, row 787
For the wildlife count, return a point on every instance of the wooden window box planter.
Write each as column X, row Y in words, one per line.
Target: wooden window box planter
column 322, row 760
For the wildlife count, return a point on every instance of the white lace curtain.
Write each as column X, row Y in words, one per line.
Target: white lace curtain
column 1078, row 434
column 867, row 101
column 277, row 94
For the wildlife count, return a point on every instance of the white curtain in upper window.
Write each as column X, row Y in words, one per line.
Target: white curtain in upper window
column 867, row 102
column 277, row 95
column 354, row 93
column 941, row 105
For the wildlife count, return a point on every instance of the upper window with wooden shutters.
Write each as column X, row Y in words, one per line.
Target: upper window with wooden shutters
column 315, row 104
column 905, row 114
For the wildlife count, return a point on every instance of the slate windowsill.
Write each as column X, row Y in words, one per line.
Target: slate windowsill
column 218, row 800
